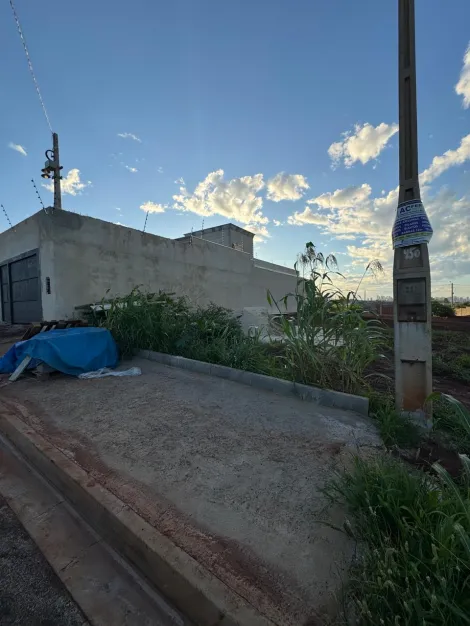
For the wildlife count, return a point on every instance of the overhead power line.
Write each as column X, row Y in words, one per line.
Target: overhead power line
column 30, row 65
column 6, row 215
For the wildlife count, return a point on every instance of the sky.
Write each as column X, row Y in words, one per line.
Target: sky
column 281, row 117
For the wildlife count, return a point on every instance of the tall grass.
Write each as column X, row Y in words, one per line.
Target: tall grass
column 167, row 324
column 451, row 420
column 413, row 530
column 327, row 342
column 414, row 533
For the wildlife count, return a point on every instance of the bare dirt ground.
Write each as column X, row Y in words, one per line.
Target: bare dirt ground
column 231, row 474
column 451, row 373
column 9, row 335
column 444, row 384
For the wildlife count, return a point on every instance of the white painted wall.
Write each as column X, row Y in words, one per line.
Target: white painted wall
column 88, row 259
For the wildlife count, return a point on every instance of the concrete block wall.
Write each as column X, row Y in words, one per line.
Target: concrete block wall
column 21, row 238
column 87, row 259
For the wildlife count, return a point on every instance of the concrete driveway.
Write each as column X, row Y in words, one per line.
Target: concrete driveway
column 233, row 475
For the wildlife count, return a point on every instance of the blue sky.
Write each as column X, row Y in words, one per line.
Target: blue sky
column 227, row 96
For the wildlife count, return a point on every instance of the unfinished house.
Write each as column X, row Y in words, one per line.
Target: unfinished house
column 52, row 263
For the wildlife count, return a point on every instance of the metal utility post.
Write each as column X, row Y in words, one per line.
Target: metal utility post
column 411, row 234
column 52, row 170
column 452, row 293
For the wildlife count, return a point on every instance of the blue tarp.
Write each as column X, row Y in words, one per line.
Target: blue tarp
column 72, row 351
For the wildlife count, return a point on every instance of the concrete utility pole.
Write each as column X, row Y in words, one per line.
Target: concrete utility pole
column 57, row 176
column 411, row 234
column 52, row 170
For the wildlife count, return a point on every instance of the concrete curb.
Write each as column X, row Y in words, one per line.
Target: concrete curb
column 196, row 592
column 324, row 397
column 102, row 585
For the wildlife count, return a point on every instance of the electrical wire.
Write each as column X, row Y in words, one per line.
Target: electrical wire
column 30, row 65
column 37, row 193
column 6, row 215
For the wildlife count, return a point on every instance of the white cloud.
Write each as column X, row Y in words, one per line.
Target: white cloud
column 118, row 209
column 350, row 212
column 346, row 237
column 375, row 250
column 355, row 213
column 180, row 181
column 286, row 187
column 153, row 207
column 160, row 169
column 18, row 148
column 364, row 144
column 342, row 198
column 235, row 199
column 462, row 88
column 259, row 230
column 130, row 136
column 131, row 169
column 70, row 184
column 278, row 223
column 449, row 248
column 449, row 159
column 307, row 217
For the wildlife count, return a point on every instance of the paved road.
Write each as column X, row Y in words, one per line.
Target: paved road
column 30, row 592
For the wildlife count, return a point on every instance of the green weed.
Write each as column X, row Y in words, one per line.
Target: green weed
column 414, row 529
column 463, row 361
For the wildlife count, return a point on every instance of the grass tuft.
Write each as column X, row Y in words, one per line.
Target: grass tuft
column 395, row 429
column 414, row 530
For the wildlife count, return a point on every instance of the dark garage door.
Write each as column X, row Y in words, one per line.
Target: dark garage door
column 21, row 296
column 5, row 293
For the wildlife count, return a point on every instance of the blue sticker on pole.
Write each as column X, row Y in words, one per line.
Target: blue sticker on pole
column 412, row 225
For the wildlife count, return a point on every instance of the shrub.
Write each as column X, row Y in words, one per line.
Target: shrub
column 167, row 324
column 442, row 309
